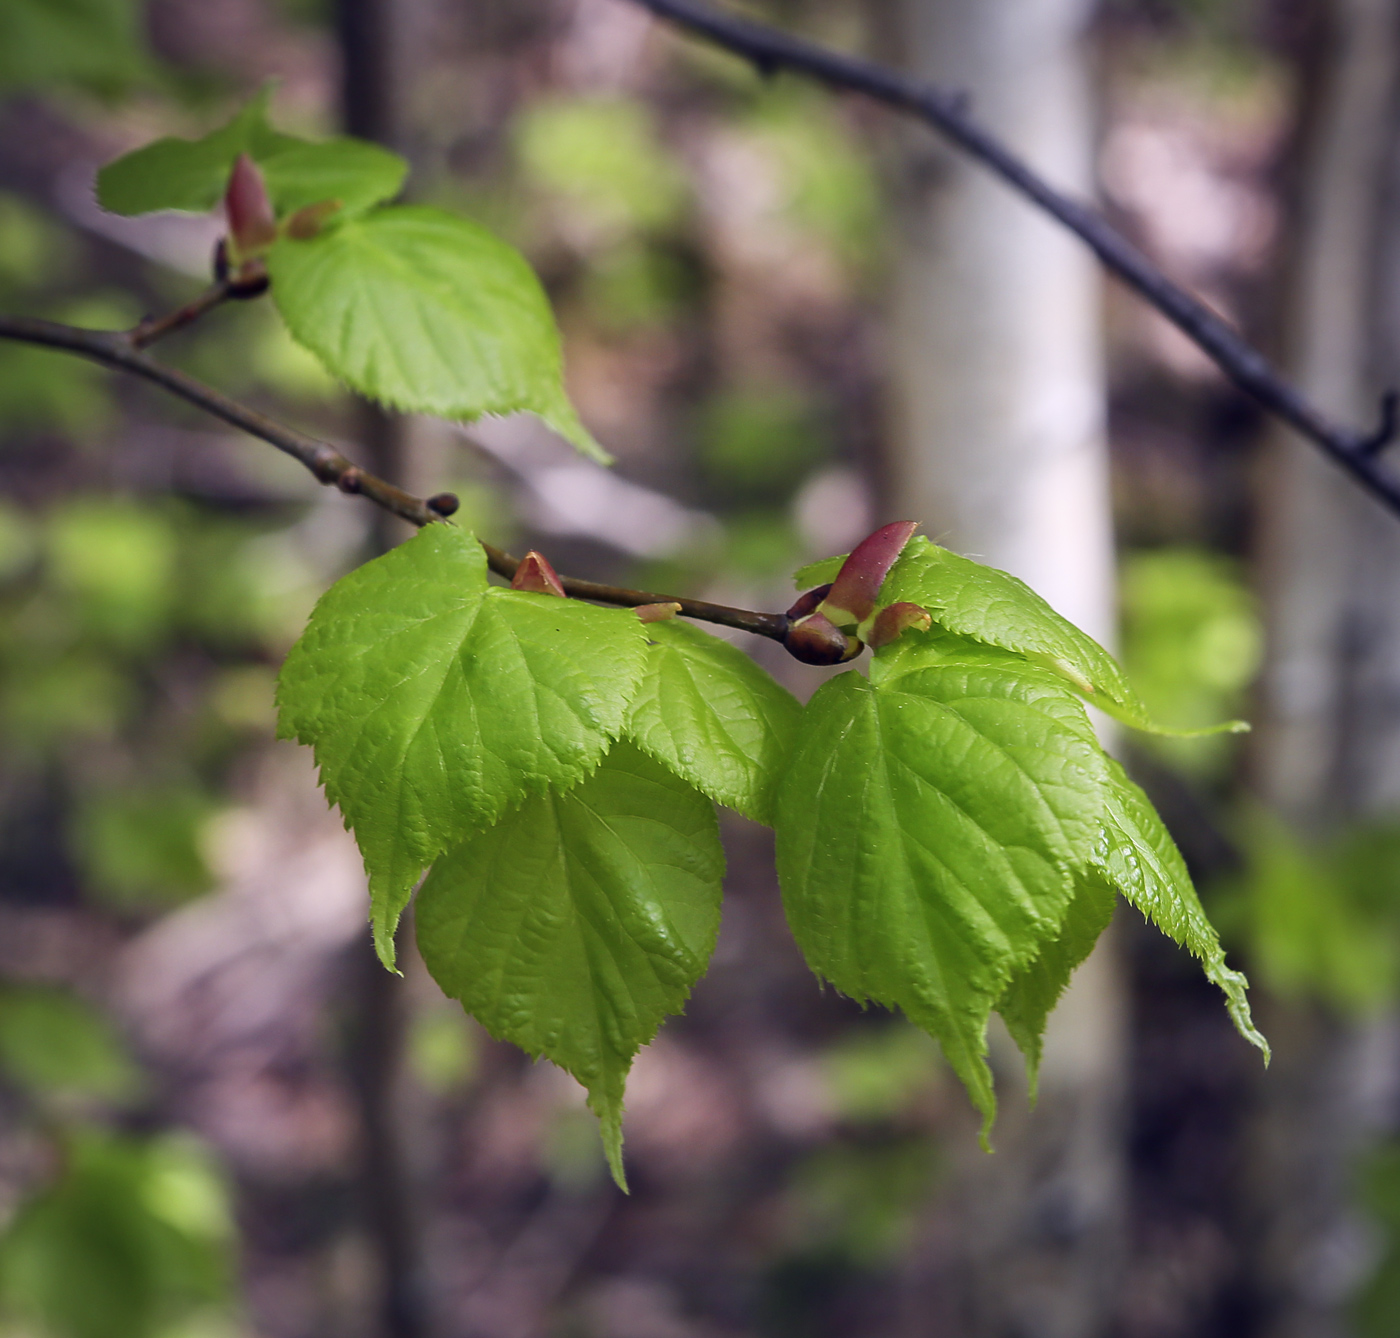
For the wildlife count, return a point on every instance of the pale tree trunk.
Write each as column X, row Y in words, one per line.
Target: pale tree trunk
column 1328, row 752
column 999, row 450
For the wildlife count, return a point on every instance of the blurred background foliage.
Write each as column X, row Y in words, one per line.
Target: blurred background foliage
column 177, row 1122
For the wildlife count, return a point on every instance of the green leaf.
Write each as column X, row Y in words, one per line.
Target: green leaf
column 54, row 1044
column 821, row 572
column 992, row 607
column 1139, row 857
column 1031, row 996
column 929, row 834
column 579, row 921
column 132, row 1239
column 435, row 702
column 430, row 313
column 192, row 174
column 354, row 171
column 92, row 43
column 710, row 714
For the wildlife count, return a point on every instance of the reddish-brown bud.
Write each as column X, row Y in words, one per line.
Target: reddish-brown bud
column 535, row 574
column 252, row 226
column 857, row 585
column 895, row 619
column 444, row 503
column 808, row 603
column 303, row 225
column 658, row 613
column 815, row 639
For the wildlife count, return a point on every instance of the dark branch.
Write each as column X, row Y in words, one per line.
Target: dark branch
column 1385, row 429
column 770, row 49
column 150, row 328
column 116, row 349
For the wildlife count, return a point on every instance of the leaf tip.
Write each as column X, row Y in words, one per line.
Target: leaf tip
column 610, row 1127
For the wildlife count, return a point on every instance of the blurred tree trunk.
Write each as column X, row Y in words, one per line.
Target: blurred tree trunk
column 999, row 450
column 1328, row 752
column 369, row 33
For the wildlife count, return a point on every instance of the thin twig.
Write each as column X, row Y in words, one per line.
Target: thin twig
column 150, row 328
column 115, row 349
column 769, row 49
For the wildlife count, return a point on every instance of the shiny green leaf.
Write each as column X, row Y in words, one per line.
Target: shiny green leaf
column 930, row 835
column 710, row 714
column 427, row 312
column 435, row 702
column 1139, row 857
column 580, row 920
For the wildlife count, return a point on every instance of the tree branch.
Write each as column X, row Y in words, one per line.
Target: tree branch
column 116, row 349
column 770, row 50
column 150, row 328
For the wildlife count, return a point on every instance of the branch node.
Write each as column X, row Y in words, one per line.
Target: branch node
column 1384, row 434
column 351, row 480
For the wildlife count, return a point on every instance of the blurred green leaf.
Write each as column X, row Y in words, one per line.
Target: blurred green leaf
column 759, row 443
column 1192, row 643
column 442, row 1048
column 94, row 44
column 602, row 158
column 41, row 391
column 1321, row 921
column 44, row 699
column 19, row 541
column 859, row 1202
column 634, row 285
column 141, row 846
column 1375, row 1308
column 54, row 1044
column 117, row 559
column 830, row 185
column 873, row 1073
column 34, row 248
column 132, row 1238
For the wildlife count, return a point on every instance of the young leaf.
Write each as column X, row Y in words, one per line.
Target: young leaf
column 821, row 572
column 192, row 174
column 435, row 702
column 354, row 171
column 427, row 312
column 579, row 921
column 1139, row 857
column 929, row 834
column 1034, row 990
column 990, row 606
column 710, row 714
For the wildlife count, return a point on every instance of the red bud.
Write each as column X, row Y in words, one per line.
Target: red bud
column 895, row 619
column 535, row 574
column 251, row 224
column 857, row 584
column 657, row 613
column 815, row 639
